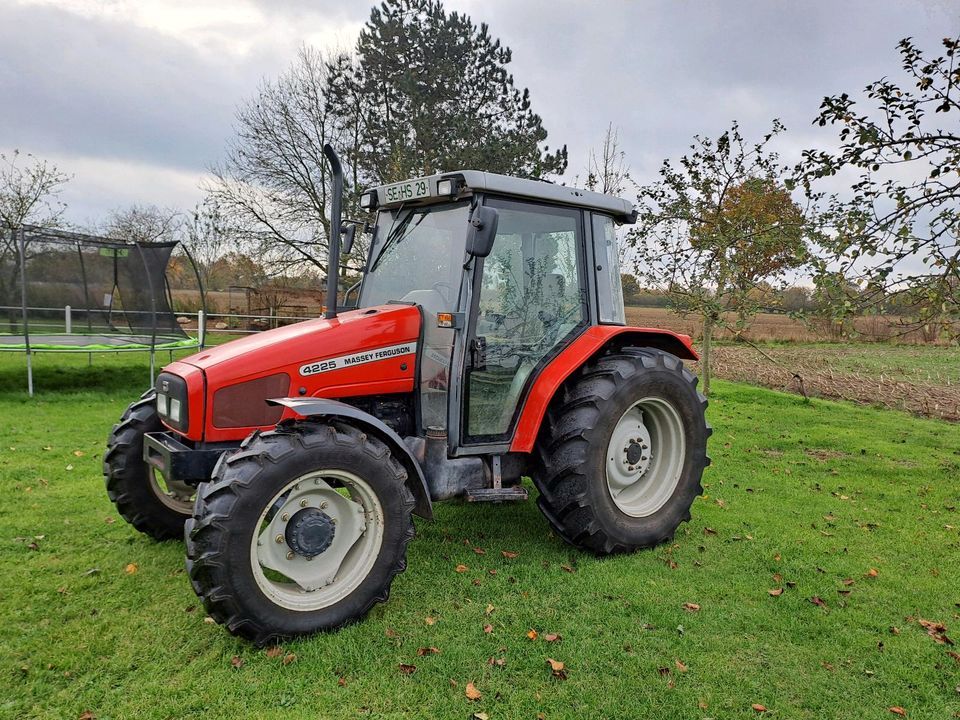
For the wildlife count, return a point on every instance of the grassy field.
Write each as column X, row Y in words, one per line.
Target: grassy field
column 850, row 511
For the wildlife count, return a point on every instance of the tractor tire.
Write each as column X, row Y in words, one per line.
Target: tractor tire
column 621, row 452
column 263, row 553
column 132, row 485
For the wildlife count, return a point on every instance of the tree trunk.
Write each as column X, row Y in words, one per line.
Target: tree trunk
column 705, row 355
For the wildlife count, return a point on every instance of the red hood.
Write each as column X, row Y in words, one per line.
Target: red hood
column 351, row 331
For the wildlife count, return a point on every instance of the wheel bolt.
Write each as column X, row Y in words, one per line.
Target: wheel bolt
column 290, row 555
column 285, row 517
column 323, row 505
column 279, row 539
column 303, row 503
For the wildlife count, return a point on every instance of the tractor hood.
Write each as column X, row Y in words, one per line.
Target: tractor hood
column 370, row 351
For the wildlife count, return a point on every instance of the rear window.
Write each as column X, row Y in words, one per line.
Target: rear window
column 609, row 285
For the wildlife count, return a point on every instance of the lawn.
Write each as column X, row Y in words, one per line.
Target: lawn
column 850, row 511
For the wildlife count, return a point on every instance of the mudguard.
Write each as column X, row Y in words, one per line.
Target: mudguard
column 322, row 407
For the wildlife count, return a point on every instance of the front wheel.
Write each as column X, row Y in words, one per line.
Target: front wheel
column 142, row 496
column 302, row 530
column 622, row 451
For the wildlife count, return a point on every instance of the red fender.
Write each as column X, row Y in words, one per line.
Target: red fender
column 573, row 357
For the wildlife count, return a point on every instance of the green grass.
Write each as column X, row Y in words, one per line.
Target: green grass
column 817, row 492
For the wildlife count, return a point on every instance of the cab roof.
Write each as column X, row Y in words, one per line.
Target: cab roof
column 471, row 181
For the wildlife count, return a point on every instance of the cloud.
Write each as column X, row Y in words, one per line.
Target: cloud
column 137, row 97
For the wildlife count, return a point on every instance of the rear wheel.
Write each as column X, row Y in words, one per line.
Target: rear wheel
column 300, row 531
column 622, row 451
column 142, row 496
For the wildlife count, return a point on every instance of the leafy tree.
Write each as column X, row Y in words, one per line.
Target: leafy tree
column 429, row 91
column 898, row 232
column 716, row 226
column 631, row 288
column 207, row 236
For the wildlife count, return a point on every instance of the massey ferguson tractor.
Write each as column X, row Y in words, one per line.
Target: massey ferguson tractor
column 485, row 343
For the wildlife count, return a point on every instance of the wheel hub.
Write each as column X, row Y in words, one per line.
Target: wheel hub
column 310, row 532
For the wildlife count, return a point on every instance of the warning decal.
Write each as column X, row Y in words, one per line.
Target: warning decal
column 360, row 358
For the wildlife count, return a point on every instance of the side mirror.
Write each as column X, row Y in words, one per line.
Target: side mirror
column 348, row 233
column 483, row 230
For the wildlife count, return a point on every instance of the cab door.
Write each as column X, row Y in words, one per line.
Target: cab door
column 528, row 304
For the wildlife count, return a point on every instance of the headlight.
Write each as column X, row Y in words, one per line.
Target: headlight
column 174, row 410
column 172, row 400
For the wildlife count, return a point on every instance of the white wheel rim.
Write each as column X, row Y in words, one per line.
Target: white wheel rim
column 306, row 584
column 645, row 457
column 175, row 495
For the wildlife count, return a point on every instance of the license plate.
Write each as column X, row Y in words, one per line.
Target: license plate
column 410, row 190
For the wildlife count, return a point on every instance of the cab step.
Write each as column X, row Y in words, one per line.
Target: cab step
column 501, row 494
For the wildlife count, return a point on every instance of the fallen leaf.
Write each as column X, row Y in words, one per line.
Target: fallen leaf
column 552, row 637
column 109, row 520
column 78, row 453
column 936, row 630
column 826, row 666
column 489, row 609
column 557, row 669
column 488, row 628
column 480, row 716
column 680, row 666
column 289, row 658
column 663, row 671
column 709, row 531
column 499, row 662
column 509, row 554
column 894, row 630
column 390, row 633
column 817, row 600
column 480, row 551
column 872, row 572
column 532, row 634
column 691, row 607
column 69, row 467
column 471, row 692
column 209, row 620
column 427, row 651
column 848, row 581
column 130, row 569
column 759, row 708
column 777, row 578
column 897, row 710
column 775, row 592
column 86, row 715
column 430, row 620
column 236, row 661
column 567, row 568
column 341, row 681
column 275, row 651
column 461, row 568
column 407, row 669
column 955, row 656
column 702, row 704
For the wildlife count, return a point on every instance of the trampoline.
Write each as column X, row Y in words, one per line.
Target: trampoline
column 68, row 292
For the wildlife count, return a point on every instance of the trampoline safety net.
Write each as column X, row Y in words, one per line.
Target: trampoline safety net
column 68, row 292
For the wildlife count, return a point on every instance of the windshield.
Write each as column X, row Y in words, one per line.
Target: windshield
column 417, row 256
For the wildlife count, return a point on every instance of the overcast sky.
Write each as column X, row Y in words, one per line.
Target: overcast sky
column 135, row 98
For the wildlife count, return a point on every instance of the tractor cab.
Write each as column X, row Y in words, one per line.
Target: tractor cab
column 484, row 351
column 506, row 271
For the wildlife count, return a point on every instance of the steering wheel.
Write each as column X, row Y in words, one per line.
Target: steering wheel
column 440, row 286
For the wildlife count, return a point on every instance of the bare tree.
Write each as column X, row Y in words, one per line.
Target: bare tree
column 207, row 236
column 28, row 196
column 274, row 184
column 608, row 173
column 142, row 223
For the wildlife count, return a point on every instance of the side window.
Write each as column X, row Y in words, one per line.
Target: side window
column 530, row 301
column 609, row 284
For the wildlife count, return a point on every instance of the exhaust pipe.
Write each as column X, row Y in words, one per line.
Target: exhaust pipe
column 333, row 263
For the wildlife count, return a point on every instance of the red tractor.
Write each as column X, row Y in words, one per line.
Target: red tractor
column 487, row 343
